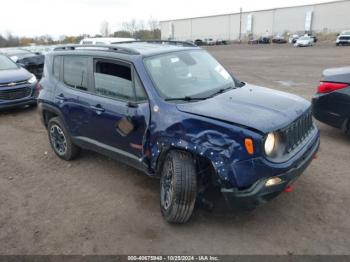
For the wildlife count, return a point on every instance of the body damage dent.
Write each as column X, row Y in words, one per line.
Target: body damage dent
column 220, row 145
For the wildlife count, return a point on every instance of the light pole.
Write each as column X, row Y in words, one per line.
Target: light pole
column 240, row 24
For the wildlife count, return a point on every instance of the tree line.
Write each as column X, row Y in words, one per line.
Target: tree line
column 131, row 29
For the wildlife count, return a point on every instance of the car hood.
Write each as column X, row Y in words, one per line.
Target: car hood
column 259, row 108
column 340, row 74
column 14, row 75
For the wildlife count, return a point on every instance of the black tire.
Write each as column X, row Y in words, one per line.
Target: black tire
column 178, row 187
column 60, row 140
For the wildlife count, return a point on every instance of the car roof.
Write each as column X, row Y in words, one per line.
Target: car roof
column 149, row 49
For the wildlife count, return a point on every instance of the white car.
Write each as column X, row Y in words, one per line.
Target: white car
column 104, row 40
column 293, row 39
column 304, row 41
column 343, row 38
column 209, row 41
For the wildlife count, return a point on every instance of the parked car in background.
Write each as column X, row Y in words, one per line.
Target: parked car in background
column 260, row 40
column 209, row 41
column 343, row 38
column 33, row 62
column 42, row 49
column 198, row 42
column 221, row 42
column 331, row 104
column 264, row 40
column 304, row 41
column 293, row 39
column 18, row 87
column 194, row 125
column 104, row 40
column 279, row 40
column 253, row 41
column 314, row 38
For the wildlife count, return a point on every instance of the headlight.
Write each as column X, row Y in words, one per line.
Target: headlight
column 270, row 143
column 32, row 79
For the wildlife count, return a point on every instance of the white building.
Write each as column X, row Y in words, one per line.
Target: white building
column 326, row 17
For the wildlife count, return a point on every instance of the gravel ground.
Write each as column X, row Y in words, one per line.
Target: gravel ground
column 98, row 206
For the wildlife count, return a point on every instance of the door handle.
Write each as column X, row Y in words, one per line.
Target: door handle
column 61, row 98
column 98, row 109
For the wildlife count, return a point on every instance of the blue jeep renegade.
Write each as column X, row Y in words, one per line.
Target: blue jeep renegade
column 171, row 110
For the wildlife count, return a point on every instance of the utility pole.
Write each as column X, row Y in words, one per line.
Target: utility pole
column 240, row 24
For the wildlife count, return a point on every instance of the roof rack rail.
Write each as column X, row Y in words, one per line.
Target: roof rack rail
column 109, row 48
column 162, row 42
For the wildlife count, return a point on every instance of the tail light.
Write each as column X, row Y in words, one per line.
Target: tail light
column 327, row 87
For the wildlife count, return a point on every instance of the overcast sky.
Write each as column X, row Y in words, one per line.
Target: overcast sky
column 74, row 17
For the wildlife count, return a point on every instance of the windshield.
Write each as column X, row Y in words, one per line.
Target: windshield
column 192, row 73
column 6, row 63
column 304, row 38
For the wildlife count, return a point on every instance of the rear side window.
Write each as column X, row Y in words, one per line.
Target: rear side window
column 75, row 72
column 56, row 67
column 113, row 80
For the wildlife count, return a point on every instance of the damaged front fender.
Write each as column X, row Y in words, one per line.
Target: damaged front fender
column 220, row 143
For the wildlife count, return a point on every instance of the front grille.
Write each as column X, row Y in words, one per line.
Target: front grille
column 13, row 83
column 13, row 94
column 344, row 38
column 296, row 132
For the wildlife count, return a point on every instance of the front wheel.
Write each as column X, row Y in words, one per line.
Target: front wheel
column 178, row 187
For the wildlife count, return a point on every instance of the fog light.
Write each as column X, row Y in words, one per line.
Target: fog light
column 273, row 181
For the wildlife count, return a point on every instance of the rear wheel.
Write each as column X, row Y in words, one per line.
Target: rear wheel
column 178, row 187
column 60, row 140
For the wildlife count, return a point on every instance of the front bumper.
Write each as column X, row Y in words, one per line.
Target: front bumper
column 343, row 42
column 15, row 104
column 259, row 193
column 30, row 99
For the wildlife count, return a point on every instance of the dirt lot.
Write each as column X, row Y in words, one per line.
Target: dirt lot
column 98, row 206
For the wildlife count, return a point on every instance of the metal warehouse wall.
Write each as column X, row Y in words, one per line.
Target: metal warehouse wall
column 327, row 17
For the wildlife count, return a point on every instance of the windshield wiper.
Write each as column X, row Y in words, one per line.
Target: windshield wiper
column 186, row 98
column 222, row 90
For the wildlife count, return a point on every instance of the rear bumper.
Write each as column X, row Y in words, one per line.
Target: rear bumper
column 321, row 111
column 259, row 193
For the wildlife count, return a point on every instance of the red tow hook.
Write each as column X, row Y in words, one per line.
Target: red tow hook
column 289, row 189
column 315, row 157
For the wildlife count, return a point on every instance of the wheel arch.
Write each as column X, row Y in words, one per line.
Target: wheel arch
column 47, row 112
column 205, row 167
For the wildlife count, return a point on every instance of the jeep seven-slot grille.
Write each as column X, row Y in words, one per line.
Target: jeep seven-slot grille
column 13, row 94
column 297, row 131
